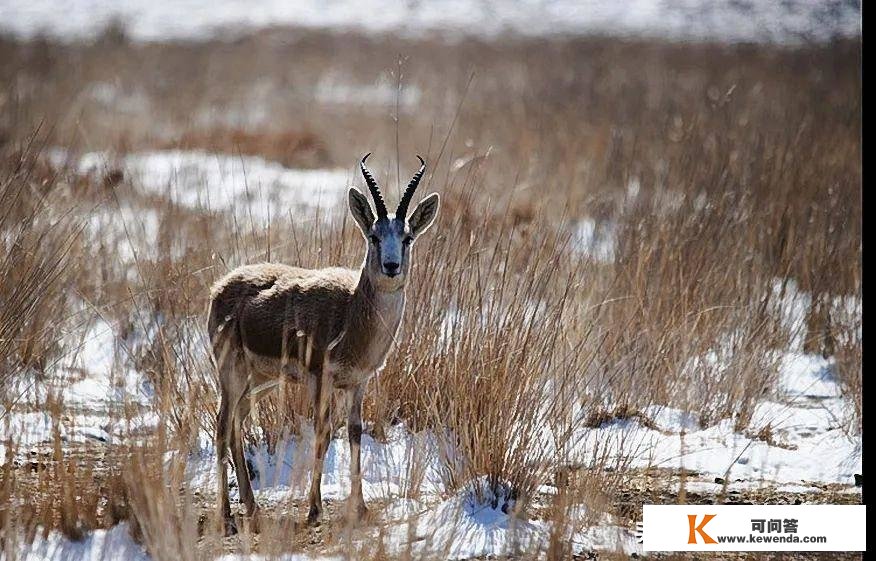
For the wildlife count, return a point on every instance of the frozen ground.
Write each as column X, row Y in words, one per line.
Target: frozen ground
column 463, row 527
column 809, row 447
column 755, row 20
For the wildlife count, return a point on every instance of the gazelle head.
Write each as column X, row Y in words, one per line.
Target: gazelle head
column 391, row 236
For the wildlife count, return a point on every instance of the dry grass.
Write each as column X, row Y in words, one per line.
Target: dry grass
column 726, row 174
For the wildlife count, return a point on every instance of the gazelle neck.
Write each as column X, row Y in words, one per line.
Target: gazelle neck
column 375, row 302
column 372, row 322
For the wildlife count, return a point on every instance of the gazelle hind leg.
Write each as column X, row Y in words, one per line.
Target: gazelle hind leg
column 221, row 443
column 241, row 469
column 232, row 387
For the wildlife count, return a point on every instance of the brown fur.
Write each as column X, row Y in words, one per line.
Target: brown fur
column 264, row 309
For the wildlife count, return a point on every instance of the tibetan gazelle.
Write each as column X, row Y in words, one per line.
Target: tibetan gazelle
column 327, row 328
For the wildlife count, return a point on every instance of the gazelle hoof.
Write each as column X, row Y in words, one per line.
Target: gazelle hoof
column 229, row 527
column 359, row 512
column 314, row 515
column 252, row 521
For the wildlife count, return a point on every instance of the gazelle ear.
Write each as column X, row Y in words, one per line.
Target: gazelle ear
column 424, row 214
column 361, row 210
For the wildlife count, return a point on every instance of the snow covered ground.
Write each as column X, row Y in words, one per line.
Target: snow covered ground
column 94, row 380
column 756, row 20
column 806, row 417
column 114, row 544
column 253, row 188
column 464, row 527
column 807, row 422
column 453, row 525
column 809, row 447
column 596, row 240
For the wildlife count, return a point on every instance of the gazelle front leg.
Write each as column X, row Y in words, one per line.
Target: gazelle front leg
column 321, row 392
column 356, row 502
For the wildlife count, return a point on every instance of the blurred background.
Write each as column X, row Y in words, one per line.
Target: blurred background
column 338, row 75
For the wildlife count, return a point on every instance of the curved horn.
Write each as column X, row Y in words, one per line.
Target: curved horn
column 372, row 186
column 409, row 192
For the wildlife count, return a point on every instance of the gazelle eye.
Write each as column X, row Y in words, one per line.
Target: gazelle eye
column 408, row 240
column 374, row 239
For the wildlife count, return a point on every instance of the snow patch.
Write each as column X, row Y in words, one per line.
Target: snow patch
column 808, row 375
column 406, row 464
column 336, row 90
column 820, row 452
column 114, row 544
column 796, row 488
column 253, row 188
column 465, row 526
column 596, row 240
column 112, row 96
column 670, row 419
column 92, row 375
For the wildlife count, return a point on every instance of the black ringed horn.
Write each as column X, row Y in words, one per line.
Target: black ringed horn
column 372, row 186
column 409, row 192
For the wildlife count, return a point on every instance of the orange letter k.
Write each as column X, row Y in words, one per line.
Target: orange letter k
column 691, row 521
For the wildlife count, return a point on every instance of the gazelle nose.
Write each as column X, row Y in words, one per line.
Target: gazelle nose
column 391, row 267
